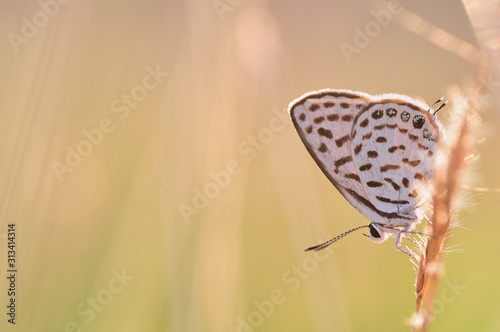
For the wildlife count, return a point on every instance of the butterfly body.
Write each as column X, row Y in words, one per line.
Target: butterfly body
column 378, row 151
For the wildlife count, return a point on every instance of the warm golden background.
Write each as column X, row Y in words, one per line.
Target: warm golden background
column 233, row 66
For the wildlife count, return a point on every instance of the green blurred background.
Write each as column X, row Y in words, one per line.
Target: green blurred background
column 160, row 98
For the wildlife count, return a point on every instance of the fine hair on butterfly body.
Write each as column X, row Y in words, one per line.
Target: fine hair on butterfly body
column 378, row 151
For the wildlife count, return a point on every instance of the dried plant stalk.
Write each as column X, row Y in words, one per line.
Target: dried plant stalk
column 446, row 186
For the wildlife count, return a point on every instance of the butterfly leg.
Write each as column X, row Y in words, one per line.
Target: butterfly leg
column 399, row 247
column 401, row 236
column 406, row 251
column 415, row 232
column 414, row 242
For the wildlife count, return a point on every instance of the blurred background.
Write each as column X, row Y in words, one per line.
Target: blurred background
column 156, row 183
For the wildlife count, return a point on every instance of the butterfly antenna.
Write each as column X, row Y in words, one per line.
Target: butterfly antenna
column 437, row 101
column 335, row 239
column 440, row 107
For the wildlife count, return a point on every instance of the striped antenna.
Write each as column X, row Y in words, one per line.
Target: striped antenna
column 437, row 101
column 440, row 107
column 335, row 239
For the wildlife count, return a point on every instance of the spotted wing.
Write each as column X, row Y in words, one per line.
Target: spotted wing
column 394, row 141
column 324, row 120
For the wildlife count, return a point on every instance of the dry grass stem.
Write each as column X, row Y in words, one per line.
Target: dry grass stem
column 449, row 174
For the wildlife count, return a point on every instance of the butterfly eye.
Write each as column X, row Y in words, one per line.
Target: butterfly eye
column 374, row 232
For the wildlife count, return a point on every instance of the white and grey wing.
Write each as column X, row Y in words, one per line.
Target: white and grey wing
column 393, row 147
column 324, row 121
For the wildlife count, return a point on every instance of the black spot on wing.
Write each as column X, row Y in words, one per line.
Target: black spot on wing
column 313, row 107
column 342, row 161
column 365, row 167
column 393, row 183
column 332, row 117
column 340, row 141
column 325, row 132
column 388, row 200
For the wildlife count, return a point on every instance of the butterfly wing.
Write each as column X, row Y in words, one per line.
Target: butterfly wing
column 394, row 141
column 324, row 121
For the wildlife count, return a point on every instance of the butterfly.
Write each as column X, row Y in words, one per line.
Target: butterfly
column 378, row 151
